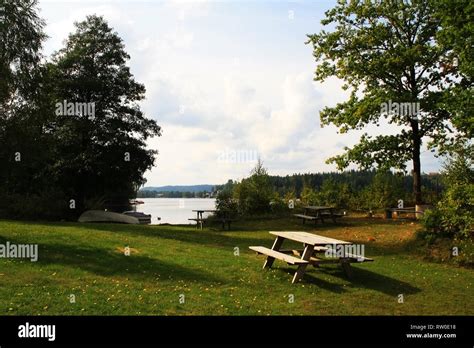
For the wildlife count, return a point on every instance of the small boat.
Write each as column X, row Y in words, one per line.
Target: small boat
column 107, row 216
column 142, row 217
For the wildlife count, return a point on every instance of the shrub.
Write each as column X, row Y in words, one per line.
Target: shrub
column 225, row 203
column 452, row 218
column 255, row 193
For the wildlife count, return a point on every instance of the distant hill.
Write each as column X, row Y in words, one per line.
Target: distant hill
column 180, row 188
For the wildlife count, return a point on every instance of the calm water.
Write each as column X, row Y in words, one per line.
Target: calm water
column 174, row 210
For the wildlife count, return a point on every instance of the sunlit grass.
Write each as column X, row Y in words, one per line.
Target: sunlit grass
column 88, row 261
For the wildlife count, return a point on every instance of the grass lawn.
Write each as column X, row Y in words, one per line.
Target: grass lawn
column 88, row 261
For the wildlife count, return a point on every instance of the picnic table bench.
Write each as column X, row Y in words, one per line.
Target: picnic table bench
column 408, row 210
column 319, row 213
column 224, row 218
column 313, row 245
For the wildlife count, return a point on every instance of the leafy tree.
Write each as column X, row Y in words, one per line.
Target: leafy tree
column 21, row 38
column 24, row 145
column 453, row 216
column 384, row 191
column 255, row 193
column 387, row 51
column 457, row 37
column 309, row 196
column 100, row 153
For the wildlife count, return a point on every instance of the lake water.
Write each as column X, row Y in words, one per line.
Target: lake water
column 174, row 210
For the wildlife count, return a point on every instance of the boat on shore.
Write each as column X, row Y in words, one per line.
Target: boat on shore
column 107, row 216
column 142, row 217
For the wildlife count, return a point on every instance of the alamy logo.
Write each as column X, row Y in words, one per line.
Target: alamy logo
column 75, row 109
column 343, row 251
column 410, row 109
column 237, row 156
column 37, row 331
column 20, row 251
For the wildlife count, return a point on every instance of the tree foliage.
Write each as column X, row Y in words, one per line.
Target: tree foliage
column 388, row 51
column 50, row 157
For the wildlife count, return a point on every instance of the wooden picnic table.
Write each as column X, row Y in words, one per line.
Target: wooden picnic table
column 313, row 212
column 199, row 218
column 224, row 219
column 312, row 244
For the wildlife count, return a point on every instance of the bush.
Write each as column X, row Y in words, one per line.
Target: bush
column 45, row 206
column 453, row 215
column 255, row 193
column 451, row 222
column 279, row 206
column 225, row 203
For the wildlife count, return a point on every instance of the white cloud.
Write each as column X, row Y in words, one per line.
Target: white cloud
column 221, row 81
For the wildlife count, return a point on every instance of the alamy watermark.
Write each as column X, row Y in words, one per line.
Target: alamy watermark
column 19, row 251
column 404, row 109
column 343, row 251
column 66, row 108
column 37, row 331
column 237, row 156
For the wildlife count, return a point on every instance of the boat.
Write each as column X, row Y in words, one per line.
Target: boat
column 107, row 216
column 142, row 217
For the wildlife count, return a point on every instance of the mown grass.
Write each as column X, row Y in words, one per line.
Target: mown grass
column 88, row 261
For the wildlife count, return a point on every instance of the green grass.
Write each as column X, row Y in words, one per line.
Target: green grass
column 87, row 260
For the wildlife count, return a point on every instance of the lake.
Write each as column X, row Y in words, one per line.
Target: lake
column 174, row 210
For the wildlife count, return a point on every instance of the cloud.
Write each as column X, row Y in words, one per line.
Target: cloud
column 222, row 77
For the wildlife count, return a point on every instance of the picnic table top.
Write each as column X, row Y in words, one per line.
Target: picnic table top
column 204, row 210
column 308, row 238
column 316, row 207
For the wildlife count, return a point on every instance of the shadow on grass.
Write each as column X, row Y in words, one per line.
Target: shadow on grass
column 106, row 262
column 362, row 279
column 365, row 279
column 179, row 233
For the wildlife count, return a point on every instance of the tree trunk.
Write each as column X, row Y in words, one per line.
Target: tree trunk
column 416, row 165
column 416, row 141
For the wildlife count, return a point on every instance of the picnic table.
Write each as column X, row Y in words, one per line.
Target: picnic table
column 199, row 216
column 224, row 218
column 315, row 213
column 312, row 245
column 408, row 210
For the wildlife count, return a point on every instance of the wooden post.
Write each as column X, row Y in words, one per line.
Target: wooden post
column 307, row 253
column 276, row 246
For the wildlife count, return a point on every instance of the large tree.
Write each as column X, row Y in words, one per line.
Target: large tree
column 457, row 36
column 101, row 155
column 22, row 141
column 388, row 51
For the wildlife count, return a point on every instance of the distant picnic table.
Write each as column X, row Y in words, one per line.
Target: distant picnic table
column 312, row 245
column 315, row 213
column 408, row 210
column 224, row 217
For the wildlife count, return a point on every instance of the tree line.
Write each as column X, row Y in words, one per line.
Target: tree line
column 356, row 190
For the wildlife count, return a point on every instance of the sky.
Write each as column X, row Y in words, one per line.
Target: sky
column 228, row 81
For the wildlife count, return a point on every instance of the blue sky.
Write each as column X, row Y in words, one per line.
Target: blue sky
column 228, row 81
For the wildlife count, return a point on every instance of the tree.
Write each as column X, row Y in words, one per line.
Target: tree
column 457, row 36
column 387, row 52
column 255, row 193
column 21, row 38
column 99, row 128
column 452, row 217
column 23, row 143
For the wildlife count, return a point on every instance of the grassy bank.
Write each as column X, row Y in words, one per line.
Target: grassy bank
column 166, row 262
